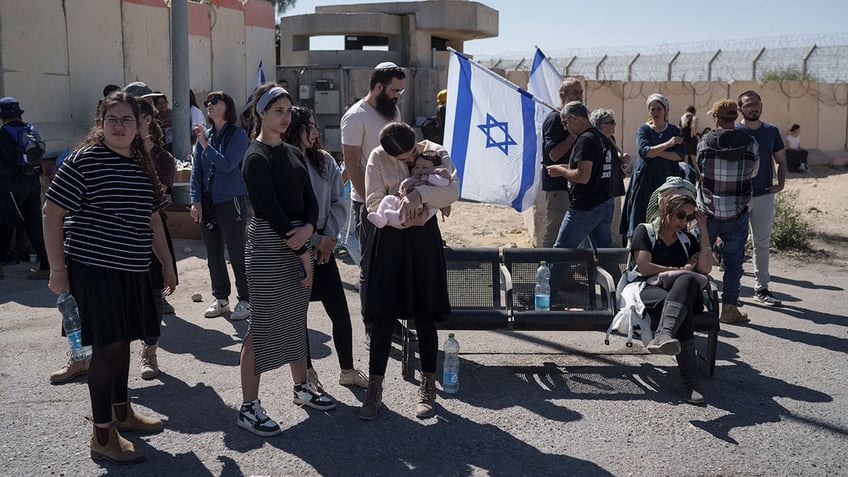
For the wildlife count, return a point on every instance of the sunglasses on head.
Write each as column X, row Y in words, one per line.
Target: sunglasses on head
column 212, row 100
column 682, row 215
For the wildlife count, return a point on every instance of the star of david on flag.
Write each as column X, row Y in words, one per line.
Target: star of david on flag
column 490, row 132
column 503, row 127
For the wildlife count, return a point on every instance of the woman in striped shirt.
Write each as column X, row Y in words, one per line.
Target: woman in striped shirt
column 103, row 207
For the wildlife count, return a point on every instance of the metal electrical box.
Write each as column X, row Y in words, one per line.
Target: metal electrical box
column 326, row 97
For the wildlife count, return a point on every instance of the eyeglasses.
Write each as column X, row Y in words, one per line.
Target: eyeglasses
column 565, row 119
column 610, row 122
column 682, row 215
column 212, row 100
column 113, row 121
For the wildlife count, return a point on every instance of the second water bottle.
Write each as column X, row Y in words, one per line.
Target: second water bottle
column 543, row 287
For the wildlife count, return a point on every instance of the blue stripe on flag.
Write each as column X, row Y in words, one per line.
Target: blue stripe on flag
column 462, row 121
column 538, row 58
column 528, row 161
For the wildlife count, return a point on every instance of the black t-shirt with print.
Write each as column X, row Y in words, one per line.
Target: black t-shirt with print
column 592, row 146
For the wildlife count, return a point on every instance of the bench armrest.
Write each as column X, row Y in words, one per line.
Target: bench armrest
column 606, row 283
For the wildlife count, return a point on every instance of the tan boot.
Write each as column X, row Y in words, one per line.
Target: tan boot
column 732, row 314
column 426, row 406
column 71, row 370
column 117, row 449
column 373, row 399
column 134, row 421
column 148, row 362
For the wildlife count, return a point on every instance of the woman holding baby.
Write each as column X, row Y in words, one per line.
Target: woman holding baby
column 408, row 276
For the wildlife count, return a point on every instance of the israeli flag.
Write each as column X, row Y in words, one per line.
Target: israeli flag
column 490, row 131
column 544, row 84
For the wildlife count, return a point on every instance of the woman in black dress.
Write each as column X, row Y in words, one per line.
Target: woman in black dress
column 407, row 277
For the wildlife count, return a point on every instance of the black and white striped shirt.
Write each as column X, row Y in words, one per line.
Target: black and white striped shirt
column 109, row 200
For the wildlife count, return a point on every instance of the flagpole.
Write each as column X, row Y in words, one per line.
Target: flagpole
column 505, row 81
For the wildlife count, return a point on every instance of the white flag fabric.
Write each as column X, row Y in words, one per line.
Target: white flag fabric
column 490, row 131
column 545, row 80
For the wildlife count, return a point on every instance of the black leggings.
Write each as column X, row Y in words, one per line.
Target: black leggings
column 381, row 345
column 684, row 290
column 327, row 288
column 108, row 375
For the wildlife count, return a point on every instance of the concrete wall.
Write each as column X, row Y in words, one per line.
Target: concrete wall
column 81, row 46
column 820, row 108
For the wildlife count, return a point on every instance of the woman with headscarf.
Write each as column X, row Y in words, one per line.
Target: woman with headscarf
column 660, row 148
column 675, row 263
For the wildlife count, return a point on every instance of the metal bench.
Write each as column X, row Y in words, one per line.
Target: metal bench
column 491, row 289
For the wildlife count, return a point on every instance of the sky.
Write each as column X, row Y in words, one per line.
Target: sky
column 524, row 24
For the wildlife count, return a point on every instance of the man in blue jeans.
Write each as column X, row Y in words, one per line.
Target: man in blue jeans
column 728, row 161
column 589, row 170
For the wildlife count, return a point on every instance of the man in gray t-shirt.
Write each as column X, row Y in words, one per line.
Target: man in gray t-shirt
column 360, row 128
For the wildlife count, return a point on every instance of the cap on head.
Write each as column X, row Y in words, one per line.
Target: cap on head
column 10, row 108
column 140, row 90
column 385, row 65
column 724, row 109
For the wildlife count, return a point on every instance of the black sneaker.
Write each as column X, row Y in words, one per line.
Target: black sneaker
column 253, row 418
column 305, row 394
column 765, row 297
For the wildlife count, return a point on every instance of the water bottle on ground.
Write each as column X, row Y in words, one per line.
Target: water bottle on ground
column 543, row 287
column 450, row 378
column 72, row 325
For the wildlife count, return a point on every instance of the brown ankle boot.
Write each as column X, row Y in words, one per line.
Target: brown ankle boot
column 373, row 399
column 426, row 406
column 148, row 363
column 71, row 370
column 134, row 421
column 117, row 449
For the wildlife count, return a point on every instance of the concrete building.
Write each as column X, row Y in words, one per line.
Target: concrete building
column 414, row 35
column 56, row 56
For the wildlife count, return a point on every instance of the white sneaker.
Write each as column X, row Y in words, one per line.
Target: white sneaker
column 241, row 311
column 217, row 308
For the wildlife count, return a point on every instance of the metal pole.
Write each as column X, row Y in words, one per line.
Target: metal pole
column 807, row 57
column 671, row 62
column 568, row 66
column 754, row 63
column 630, row 66
column 710, row 65
column 598, row 67
column 181, row 109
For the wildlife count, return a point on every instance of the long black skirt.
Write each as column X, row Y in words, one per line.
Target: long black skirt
column 408, row 277
column 114, row 305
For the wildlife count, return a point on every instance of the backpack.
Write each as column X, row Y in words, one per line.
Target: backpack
column 432, row 130
column 29, row 148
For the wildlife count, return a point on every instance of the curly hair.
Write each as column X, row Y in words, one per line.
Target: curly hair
column 299, row 123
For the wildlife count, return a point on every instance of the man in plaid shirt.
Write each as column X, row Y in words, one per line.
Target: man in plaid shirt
column 728, row 161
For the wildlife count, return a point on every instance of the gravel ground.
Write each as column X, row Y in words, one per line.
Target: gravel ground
column 529, row 403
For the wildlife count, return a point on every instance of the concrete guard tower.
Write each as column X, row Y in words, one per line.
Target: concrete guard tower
column 414, row 35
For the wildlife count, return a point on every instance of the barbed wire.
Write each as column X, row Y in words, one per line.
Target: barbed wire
column 827, row 62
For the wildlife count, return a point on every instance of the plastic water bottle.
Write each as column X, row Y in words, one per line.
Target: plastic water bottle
column 543, row 287
column 72, row 325
column 450, row 378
